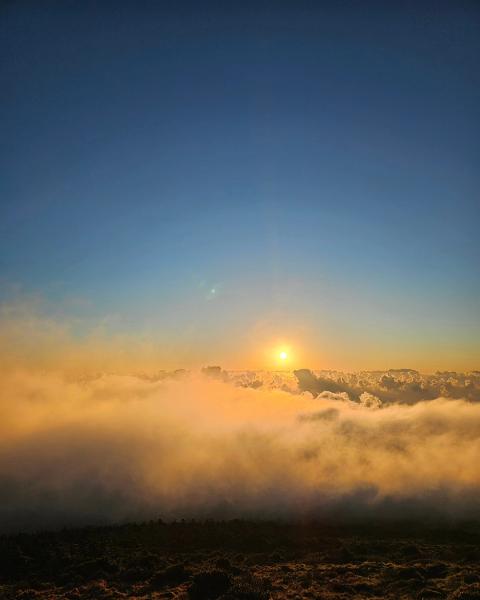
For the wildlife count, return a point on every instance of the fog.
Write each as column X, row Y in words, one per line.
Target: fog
column 115, row 447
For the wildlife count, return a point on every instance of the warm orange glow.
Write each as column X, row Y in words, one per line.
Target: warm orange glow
column 282, row 356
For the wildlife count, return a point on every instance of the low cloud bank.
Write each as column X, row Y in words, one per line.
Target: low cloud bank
column 405, row 386
column 116, row 447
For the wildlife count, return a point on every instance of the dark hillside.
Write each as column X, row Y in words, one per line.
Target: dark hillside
column 244, row 560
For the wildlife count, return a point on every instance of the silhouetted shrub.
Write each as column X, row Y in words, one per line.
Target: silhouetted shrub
column 223, row 563
column 209, row 585
column 252, row 588
column 436, row 570
column 172, row 575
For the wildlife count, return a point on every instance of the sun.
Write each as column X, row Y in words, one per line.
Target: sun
column 281, row 355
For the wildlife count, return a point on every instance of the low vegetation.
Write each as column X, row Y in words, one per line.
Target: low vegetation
column 244, row 560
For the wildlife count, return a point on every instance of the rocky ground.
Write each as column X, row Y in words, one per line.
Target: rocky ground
column 244, row 560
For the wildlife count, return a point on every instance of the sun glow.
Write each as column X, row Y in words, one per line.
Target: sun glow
column 281, row 354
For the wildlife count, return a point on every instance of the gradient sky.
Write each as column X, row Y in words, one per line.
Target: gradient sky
column 225, row 177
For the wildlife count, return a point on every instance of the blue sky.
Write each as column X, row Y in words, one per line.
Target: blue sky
column 315, row 163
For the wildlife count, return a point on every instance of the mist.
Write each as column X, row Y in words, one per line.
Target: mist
column 113, row 447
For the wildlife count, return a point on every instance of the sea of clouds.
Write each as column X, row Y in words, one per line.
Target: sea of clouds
column 111, row 447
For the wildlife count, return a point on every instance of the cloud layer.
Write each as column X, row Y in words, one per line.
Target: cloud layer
column 113, row 447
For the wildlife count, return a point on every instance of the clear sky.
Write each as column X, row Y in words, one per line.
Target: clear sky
column 223, row 178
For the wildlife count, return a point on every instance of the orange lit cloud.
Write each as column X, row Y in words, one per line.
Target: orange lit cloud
column 119, row 446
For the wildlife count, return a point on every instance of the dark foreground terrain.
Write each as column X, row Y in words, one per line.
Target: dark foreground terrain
column 244, row 560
